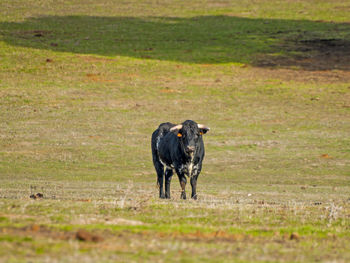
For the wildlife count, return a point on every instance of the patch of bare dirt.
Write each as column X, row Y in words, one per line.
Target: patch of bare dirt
column 90, row 59
column 294, row 236
column 169, row 90
column 300, row 75
column 97, row 78
column 217, row 236
column 123, row 221
column 318, row 54
column 38, row 231
column 84, row 235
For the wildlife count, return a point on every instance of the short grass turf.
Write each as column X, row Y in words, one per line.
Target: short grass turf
column 84, row 83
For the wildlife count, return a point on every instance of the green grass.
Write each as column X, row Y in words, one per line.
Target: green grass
column 83, row 84
column 199, row 39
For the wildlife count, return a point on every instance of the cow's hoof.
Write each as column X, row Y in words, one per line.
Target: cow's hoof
column 183, row 196
column 162, row 196
column 194, row 197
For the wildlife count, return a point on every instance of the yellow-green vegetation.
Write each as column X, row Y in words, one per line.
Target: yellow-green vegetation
column 84, row 83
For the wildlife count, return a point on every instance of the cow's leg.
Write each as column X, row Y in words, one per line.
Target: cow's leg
column 194, row 178
column 160, row 174
column 168, row 176
column 194, row 187
column 183, row 182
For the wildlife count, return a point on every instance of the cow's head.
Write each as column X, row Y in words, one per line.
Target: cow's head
column 189, row 134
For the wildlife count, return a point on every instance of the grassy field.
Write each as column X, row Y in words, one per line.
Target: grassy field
column 83, row 84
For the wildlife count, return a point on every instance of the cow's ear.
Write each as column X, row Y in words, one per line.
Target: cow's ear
column 178, row 129
column 203, row 130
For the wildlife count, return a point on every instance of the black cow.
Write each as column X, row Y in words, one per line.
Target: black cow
column 180, row 148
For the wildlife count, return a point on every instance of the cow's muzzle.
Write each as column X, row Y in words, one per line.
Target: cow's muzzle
column 190, row 149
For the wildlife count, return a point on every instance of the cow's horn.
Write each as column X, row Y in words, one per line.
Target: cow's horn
column 201, row 126
column 177, row 127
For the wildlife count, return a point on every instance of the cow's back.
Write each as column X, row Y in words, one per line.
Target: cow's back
column 157, row 135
